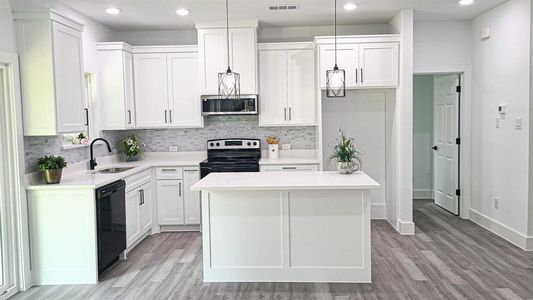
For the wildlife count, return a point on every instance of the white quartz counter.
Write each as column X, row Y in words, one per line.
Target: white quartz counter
column 285, row 181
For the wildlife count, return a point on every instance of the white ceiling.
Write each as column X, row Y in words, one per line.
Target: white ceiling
column 160, row 14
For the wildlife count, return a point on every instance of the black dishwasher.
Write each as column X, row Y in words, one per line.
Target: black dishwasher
column 111, row 222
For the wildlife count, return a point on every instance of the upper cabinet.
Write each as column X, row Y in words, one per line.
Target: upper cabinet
column 287, row 81
column 166, row 87
column 369, row 62
column 213, row 54
column 51, row 71
column 116, row 86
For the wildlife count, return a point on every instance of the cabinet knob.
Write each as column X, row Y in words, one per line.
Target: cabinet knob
column 435, row 148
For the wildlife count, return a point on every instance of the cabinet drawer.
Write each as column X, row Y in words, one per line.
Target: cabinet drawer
column 169, row 173
column 134, row 181
column 289, row 168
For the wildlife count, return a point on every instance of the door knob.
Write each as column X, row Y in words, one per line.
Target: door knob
column 435, row 148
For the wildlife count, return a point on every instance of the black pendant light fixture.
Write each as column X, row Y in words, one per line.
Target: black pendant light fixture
column 336, row 78
column 229, row 82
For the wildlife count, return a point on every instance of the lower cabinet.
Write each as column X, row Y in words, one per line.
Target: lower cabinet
column 138, row 212
column 176, row 203
column 289, row 168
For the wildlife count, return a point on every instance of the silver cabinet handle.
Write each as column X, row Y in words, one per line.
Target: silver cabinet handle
column 86, row 116
column 140, row 197
column 168, row 170
column 290, row 113
column 357, row 75
column 289, row 168
column 180, row 189
column 165, row 116
column 170, row 115
column 362, row 80
column 285, row 114
column 129, row 116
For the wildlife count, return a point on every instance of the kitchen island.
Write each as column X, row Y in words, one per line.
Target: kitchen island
column 286, row 227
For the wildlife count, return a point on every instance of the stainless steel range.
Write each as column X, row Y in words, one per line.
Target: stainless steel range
column 231, row 155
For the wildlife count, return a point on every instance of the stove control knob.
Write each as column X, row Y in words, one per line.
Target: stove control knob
column 249, row 144
column 255, row 143
column 211, row 144
column 218, row 144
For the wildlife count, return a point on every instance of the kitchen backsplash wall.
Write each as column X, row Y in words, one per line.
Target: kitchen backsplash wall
column 158, row 140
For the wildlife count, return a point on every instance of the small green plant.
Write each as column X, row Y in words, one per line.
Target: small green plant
column 131, row 146
column 345, row 150
column 81, row 136
column 51, row 163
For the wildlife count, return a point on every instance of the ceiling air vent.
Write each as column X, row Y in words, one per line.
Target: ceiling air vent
column 283, row 7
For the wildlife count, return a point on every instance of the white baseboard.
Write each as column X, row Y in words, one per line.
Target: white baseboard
column 522, row 241
column 422, row 194
column 378, row 211
column 406, row 228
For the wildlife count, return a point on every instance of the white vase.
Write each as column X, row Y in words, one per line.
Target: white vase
column 347, row 167
column 273, row 151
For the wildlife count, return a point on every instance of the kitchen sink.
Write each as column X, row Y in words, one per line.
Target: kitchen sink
column 114, row 170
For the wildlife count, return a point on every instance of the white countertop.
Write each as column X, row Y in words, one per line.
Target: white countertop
column 285, row 181
column 86, row 179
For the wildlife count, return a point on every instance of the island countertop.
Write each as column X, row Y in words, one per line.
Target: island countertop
column 285, row 181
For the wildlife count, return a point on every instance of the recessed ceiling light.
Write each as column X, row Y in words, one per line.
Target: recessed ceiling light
column 182, row 12
column 466, row 2
column 350, row 6
column 113, row 11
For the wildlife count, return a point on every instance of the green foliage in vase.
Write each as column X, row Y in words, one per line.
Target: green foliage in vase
column 131, row 146
column 345, row 150
column 51, row 163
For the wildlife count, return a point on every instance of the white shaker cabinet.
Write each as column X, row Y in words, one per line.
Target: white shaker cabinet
column 185, row 108
column 116, row 86
column 192, row 198
column 145, row 214
column 379, row 64
column 170, row 202
column 347, row 59
column 133, row 217
column 52, row 74
column 213, row 55
column 287, row 77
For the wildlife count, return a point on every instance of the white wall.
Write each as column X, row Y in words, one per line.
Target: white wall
column 7, row 28
column 422, row 136
column 501, row 75
column 441, row 44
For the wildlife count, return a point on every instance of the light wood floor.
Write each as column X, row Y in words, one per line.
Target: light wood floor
column 448, row 258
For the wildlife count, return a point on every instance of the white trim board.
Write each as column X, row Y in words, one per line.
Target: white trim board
column 511, row 235
column 422, row 194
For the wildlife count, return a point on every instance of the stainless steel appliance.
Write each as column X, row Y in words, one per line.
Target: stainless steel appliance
column 244, row 105
column 231, row 155
column 111, row 223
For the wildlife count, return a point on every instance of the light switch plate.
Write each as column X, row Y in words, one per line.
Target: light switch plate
column 172, row 148
column 285, row 146
column 498, row 123
column 518, row 123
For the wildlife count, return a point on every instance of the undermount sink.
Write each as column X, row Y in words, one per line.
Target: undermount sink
column 113, row 170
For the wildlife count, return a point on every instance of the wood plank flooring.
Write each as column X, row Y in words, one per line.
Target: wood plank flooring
column 448, row 258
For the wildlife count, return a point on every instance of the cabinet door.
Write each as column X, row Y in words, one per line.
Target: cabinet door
column 133, row 224
column 146, row 207
column 379, row 64
column 69, row 79
column 243, row 42
column 151, row 90
column 192, row 199
column 347, row 59
column 170, row 202
column 111, row 89
column 301, row 80
column 213, row 58
column 129, row 92
column 273, row 86
column 185, row 106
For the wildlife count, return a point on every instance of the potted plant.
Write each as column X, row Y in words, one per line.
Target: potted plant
column 52, row 168
column 346, row 154
column 131, row 148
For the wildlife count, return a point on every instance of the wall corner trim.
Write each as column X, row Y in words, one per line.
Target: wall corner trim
column 406, row 228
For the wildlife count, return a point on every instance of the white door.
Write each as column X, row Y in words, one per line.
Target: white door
column 133, row 225
column 243, row 47
column 151, row 90
column 378, row 65
column 170, row 202
column 69, row 79
column 273, row 86
column 213, row 58
column 146, row 207
column 301, row 94
column 347, row 59
column 129, row 91
column 192, row 199
column 446, row 150
column 185, row 106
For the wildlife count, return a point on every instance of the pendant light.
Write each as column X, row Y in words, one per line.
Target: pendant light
column 229, row 83
column 336, row 83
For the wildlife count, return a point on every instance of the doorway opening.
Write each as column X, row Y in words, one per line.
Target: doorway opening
column 437, row 139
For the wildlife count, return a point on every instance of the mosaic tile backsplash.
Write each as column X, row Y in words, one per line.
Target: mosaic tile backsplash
column 159, row 140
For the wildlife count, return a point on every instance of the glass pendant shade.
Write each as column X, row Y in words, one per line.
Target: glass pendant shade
column 229, row 85
column 336, row 83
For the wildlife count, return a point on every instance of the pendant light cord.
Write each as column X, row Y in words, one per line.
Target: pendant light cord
column 227, row 32
column 335, row 33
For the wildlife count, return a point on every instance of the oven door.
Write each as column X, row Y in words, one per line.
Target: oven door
column 244, row 105
column 206, row 168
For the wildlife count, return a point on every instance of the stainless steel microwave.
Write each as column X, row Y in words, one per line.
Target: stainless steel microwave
column 244, row 105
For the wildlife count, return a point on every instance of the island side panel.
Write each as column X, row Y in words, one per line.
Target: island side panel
column 286, row 236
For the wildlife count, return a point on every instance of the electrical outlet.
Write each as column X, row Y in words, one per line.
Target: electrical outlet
column 498, row 123
column 172, row 148
column 518, row 123
column 285, row 146
column 496, row 203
